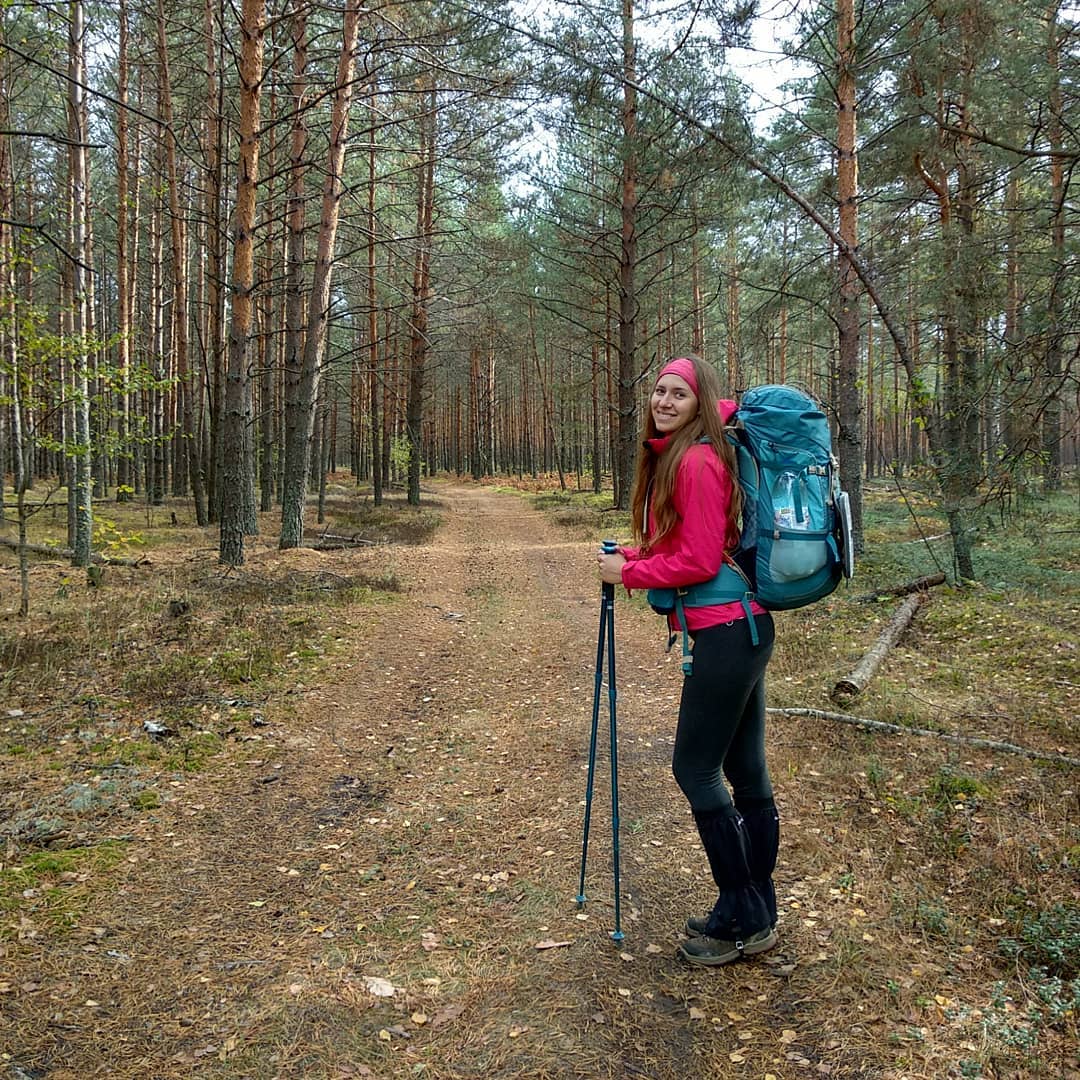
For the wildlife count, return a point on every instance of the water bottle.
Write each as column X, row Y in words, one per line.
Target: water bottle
column 784, row 501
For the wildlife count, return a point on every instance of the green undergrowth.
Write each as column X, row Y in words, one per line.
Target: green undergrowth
column 583, row 512
column 47, row 891
column 356, row 516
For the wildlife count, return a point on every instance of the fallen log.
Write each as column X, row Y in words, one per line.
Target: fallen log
column 322, row 538
column 66, row 553
column 856, row 682
column 960, row 740
column 909, row 587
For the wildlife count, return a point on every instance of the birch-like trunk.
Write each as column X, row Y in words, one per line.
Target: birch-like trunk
column 80, row 178
column 298, row 446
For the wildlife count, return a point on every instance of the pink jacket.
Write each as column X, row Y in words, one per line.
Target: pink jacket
column 694, row 549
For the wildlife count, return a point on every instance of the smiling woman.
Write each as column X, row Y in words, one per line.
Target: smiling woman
column 686, row 507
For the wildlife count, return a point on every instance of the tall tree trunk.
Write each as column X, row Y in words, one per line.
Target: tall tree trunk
column 80, row 178
column 298, row 450
column 184, row 383
column 10, row 421
column 123, row 294
column 1014, row 363
column 850, row 434
column 373, row 308
column 293, row 469
column 628, row 256
column 269, row 351
column 1051, row 441
column 155, row 461
column 235, row 474
column 213, row 368
column 425, row 212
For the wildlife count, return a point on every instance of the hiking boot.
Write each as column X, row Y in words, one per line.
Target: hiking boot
column 712, row 952
column 696, row 924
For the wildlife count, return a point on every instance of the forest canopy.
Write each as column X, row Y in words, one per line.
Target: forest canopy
column 245, row 247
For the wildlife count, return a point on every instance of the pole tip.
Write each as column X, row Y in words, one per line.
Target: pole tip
column 617, row 935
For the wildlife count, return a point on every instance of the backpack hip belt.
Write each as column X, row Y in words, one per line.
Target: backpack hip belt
column 729, row 586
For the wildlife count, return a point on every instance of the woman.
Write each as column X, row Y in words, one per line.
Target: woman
column 685, row 510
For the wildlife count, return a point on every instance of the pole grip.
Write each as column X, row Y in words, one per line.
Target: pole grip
column 608, row 547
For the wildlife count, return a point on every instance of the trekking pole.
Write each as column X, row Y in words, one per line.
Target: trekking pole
column 606, row 636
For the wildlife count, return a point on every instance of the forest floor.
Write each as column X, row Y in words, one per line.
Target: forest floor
column 354, row 849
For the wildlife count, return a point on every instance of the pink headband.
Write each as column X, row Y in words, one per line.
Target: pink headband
column 684, row 368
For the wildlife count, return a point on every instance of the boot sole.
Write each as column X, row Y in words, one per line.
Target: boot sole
column 751, row 949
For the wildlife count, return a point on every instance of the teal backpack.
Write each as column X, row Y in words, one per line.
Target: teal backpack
column 795, row 539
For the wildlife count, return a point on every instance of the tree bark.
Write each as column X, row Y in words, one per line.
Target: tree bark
column 184, row 383
column 628, row 256
column 235, row 474
column 80, row 268
column 918, row 585
column 1051, row 441
column 298, row 449
column 373, row 304
column 124, row 326
column 850, row 435
column 293, row 469
column 421, row 295
column 213, row 364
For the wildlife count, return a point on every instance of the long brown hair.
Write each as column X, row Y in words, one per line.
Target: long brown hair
column 654, row 479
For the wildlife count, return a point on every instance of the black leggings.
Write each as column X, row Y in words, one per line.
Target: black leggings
column 721, row 728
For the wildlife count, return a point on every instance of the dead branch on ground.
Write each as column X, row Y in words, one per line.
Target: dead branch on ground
column 962, row 740
column 918, row 585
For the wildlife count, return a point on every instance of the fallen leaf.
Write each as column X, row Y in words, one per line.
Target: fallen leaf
column 548, row 943
column 653, row 949
column 445, row 1016
column 697, row 1014
column 788, row 1036
column 419, row 1018
column 378, row 986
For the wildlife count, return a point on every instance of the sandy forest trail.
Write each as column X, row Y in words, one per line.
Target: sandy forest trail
column 413, row 816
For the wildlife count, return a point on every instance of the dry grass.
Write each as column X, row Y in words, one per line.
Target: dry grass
column 370, row 791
